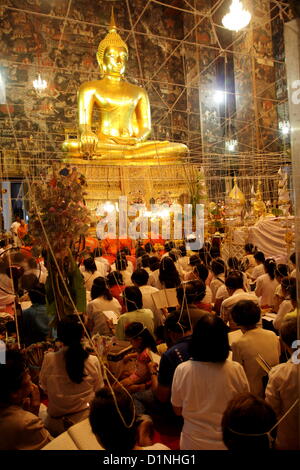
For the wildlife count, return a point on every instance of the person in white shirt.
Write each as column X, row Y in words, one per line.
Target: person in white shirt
column 140, row 278
column 154, row 275
column 102, row 300
column 289, row 289
column 248, row 261
column 135, row 312
column 218, row 269
column 184, row 260
column 7, row 292
column 234, row 265
column 259, row 269
column 70, row 377
column 282, row 390
column 203, row 386
column 246, row 314
column 111, row 424
column 121, row 265
column 266, row 285
column 235, row 287
column 92, row 267
column 90, row 273
column 99, row 259
column 14, row 230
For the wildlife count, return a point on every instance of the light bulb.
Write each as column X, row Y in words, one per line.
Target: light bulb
column 2, row 90
column 237, row 18
column 219, row 96
column 39, row 84
column 231, row 145
column 285, row 127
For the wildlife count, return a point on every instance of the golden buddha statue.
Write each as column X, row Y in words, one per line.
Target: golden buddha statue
column 259, row 207
column 125, row 118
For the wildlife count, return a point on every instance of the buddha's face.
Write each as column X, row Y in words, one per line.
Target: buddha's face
column 114, row 61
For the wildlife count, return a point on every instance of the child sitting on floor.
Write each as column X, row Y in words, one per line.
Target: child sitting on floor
column 143, row 343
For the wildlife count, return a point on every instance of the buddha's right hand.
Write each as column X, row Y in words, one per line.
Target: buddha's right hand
column 88, row 142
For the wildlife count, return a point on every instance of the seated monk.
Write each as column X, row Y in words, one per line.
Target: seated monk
column 125, row 118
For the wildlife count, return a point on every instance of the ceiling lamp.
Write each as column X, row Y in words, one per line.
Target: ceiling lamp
column 284, row 127
column 231, row 145
column 237, row 18
column 219, row 96
column 39, row 84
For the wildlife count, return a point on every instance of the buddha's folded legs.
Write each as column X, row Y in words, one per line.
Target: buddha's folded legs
column 147, row 150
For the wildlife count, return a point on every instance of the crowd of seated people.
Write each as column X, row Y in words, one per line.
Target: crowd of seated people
column 217, row 361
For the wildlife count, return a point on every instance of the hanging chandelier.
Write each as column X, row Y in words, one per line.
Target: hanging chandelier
column 284, row 127
column 39, row 84
column 237, row 18
column 231, row 145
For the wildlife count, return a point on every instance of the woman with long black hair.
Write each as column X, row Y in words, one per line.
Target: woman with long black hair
column 266, row 285
column 70, row 377
column 168, row 274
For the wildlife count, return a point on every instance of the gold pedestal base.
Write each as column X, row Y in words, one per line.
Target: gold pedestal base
column 172, row 180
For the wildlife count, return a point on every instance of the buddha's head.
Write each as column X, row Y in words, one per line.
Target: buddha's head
column 112, row 52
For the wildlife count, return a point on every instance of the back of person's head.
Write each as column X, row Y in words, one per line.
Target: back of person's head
column 288, row 331
column 2, row 243
column 293, row 258
column 292, row 290
column 245, row 313
column 149, row 248
column 137, row 330
column 249, row 248
column 90, row 265
column 169, row 245
column 259, row 257
column 234, row 280
column 37, row 295
column 233, row 263
column 246, row 423
column 12, row 374
column 140, row 277
column 154, row 263
column 286, row 282
column 218, row 266
column 121, row 264
column 191, row 292
column 210, row 339
column 204, row 254
column 133, row 298
column 140, row 251
column 201, row 271
column 115, row 278
column 194, row 260
column 168, row 273
column 215, row 252
column 70, row 333
column 270, row 267
column 178, row 322
column 125, row 250
column 110, row 418
column 173, row 255
column 100, row 289
column 182, row 250
column 281, row 271
column 145, row 260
